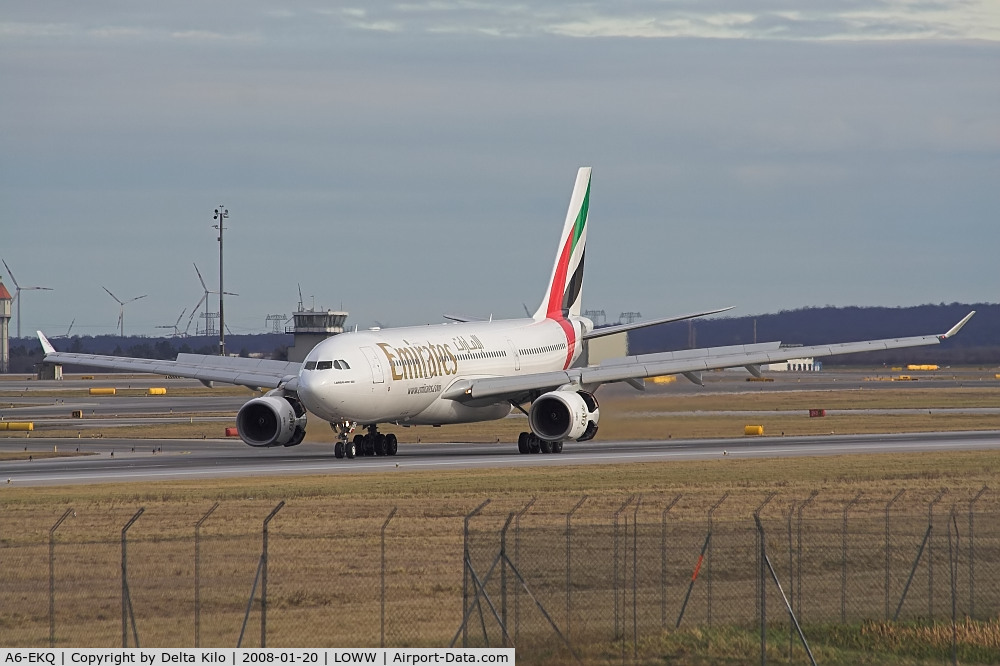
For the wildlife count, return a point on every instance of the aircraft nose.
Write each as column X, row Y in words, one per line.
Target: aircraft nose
column 311, row 387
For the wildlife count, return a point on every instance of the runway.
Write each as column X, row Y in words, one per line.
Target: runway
column 120, row 460
column 115, row 461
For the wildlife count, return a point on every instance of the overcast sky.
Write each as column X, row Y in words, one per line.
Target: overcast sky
column 404, row 160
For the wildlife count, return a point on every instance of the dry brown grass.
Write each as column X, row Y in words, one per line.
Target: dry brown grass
column 324, row 575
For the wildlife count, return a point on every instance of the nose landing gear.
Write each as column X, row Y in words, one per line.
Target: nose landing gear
column 344, row 446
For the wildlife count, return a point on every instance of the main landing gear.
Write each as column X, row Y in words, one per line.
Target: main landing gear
column 372, row 444
column 528, row 442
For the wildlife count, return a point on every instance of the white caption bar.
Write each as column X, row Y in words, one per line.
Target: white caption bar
column 253, row 657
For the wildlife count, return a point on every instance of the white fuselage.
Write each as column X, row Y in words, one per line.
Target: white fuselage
column 398, row 375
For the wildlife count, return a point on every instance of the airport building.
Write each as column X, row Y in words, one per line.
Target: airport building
column 807, row 364
column 310, row 327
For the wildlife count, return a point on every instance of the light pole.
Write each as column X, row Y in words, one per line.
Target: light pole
column 221, row 214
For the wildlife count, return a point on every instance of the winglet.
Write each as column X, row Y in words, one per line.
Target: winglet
column 46, row 345
column 957, row 327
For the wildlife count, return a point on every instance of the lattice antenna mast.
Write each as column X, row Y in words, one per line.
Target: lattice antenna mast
column 276, row 320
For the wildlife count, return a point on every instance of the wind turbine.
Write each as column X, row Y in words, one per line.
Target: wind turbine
column 121, row 309
column 68, row 330
column 17, row 292
column 204, row 298
column 177, row 330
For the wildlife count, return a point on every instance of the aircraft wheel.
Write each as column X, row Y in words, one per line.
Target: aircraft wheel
column 545, row 446
column 534, row 445
column 338, row 449
column 522, row 442
column 391, row 444
column 557, row 447
column 378, row 447
column 366, row 445
column 359, row 440
column 351, row 450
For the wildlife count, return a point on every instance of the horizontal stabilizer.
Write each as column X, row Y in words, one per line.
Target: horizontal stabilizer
column 621, row 328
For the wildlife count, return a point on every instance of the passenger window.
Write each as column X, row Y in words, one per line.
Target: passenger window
column 310, row 365
column 324, row 365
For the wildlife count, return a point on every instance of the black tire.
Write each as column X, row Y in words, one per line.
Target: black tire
column 545, row 445
column 352, row 450
column 358, row 441
column 367, row 446
column 338, row 450
column 391, row 444
column 557, row 447
column 534, row 444
column 378, row 447
column 522, row 442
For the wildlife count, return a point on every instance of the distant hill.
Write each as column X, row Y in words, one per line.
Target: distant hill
column 978, row 343
column 26, row 352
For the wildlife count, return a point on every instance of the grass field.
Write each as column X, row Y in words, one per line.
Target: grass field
column 325, row 543
column 324, row 581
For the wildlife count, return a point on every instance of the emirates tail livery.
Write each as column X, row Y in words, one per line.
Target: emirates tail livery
column 463, row 371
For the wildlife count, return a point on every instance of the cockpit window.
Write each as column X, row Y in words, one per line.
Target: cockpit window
column 310, row 365
column 345, row 365
column 324, row 365
column 337, row 365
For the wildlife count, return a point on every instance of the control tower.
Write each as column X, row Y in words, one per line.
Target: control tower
column 5, row 301
column 310, row 327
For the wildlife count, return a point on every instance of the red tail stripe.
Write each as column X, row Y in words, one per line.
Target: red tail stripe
column 554, row 309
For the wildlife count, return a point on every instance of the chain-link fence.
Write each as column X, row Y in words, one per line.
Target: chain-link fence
column 586, row 579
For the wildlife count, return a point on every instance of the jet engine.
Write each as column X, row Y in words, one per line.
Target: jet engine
column 562, row 415
column 272, row 420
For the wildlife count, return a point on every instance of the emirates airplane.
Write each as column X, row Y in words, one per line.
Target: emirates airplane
column 464, row 370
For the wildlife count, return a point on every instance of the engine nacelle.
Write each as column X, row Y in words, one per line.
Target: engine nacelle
column 272, row 420
column 563, row 415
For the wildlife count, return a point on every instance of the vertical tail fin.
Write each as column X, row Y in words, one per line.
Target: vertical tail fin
column 564, row 297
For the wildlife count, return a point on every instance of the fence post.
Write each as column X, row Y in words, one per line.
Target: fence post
column 263, row 579
column 953, row 570
column 843, row 566
column 888, row 547
column 784, row 599
column 913, row 571
column 465, row 570
column 930, row 556
column 972, row 554
column 382, row 576
column 798, row 555
column 663, row 561
column 615, row 558
column 127, row 612
column 711, row 513
column 52, row 576
column 761, row 590
column 635, row 586
column 791, row 577
column 197, row 575
column 517, row 564
column 503, row 579
column 759, row 580
column 569, row 567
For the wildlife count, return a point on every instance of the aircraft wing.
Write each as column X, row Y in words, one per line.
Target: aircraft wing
column 250, row 372
column 523, row 387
